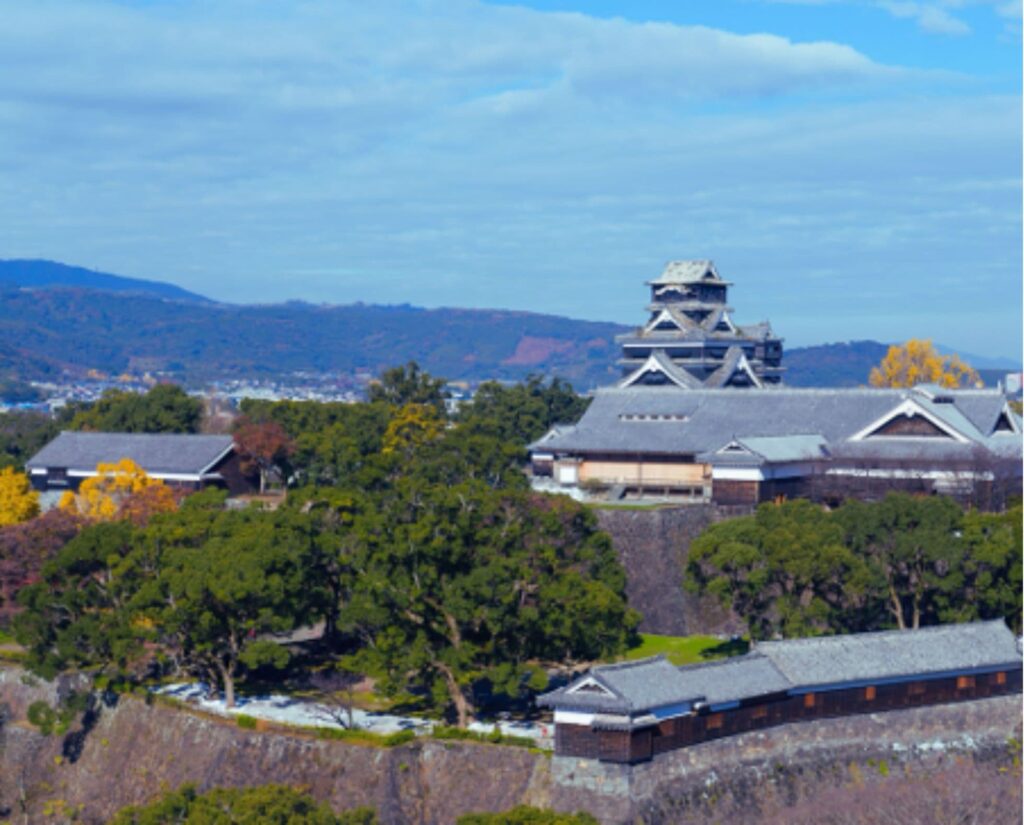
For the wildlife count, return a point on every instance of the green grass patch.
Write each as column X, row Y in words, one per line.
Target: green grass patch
column 6, row 638
column 685, row 650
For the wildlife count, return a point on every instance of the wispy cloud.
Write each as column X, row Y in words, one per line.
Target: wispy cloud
column 458, row 153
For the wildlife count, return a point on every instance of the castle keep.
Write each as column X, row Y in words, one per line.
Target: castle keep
column 690, row 339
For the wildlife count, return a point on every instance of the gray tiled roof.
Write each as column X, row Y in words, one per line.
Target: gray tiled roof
column 792, row 665
column 156, row 454
column 864, row 656
column 729, row 680
column 704, row 420
column 682, row 272
column 638, row 685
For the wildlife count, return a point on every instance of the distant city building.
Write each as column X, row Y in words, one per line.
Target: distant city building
column 690, row 339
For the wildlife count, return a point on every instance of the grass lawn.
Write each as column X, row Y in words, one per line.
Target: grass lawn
column 685, row 650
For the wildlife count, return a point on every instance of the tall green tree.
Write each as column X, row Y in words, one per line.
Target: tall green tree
column 166, row 408
column 222, row 581
column 408, row 384
column 77, row 616
column 522, row 413
column 785, row 570
column 450, row 587
column 913, row 549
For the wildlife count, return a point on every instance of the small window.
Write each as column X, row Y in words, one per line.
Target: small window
column 999, row 678
column 915, row 688
column 808, row 700
column 869, row 693
column 759, row 712
column 964, row 682
column 715, row 721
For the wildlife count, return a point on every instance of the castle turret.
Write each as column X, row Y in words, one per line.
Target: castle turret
column 691, row 340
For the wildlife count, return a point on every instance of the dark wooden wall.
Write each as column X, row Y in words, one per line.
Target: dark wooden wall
column 776, row 709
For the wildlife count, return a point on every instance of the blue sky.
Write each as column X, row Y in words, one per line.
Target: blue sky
column 853, row 166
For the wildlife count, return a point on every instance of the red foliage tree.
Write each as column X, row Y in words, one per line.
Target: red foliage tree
column 26, row 547
column 263, row 446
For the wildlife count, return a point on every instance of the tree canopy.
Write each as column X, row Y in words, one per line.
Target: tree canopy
column 18, row 501
column 918, row 362
column 795, row 569
column 166, row 408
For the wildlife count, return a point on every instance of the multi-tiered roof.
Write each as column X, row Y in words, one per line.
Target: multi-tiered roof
column 691, row 340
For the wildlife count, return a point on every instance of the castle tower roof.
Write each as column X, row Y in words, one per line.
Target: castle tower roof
column 688, row 272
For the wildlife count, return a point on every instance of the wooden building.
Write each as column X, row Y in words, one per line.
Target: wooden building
column 744, row 447
column 632, row 711
column 189, row 461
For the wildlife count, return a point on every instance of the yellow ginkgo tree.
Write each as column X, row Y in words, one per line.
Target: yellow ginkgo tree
column 102, row 497
column 918, row 362
column 18, row 501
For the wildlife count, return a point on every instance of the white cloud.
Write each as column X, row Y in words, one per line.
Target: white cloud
column 457, row 153
column 930, row 18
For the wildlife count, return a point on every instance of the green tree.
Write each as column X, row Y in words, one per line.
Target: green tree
column 261, row 805
column 408, row 384
column 23, row 434
column 785, row 570
column 224, row 580
column 166, row 408
column 525, row 815
column 993, row 561
column 913, row 549
column 77, row 616
column 449, row 587
column 522, row 413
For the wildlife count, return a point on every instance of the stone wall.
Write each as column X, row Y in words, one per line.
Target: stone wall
column 653, row 545
column 134, row 751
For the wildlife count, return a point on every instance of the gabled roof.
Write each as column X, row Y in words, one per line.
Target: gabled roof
column 771, row 449
column 825, row 660
column 731, row 680
column 630, row 687
column 734, row 362
column 687, row 272
column 700, row 420
column 794, row 665
column 156, row 454
column 659, row 362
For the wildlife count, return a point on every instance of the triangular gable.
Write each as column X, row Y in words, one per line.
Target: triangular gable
column 1006, row 423
column 657, row 364
column 735, row 363
column 662, row 318
column 734, row 447
column 591, row 686
column 890, row 425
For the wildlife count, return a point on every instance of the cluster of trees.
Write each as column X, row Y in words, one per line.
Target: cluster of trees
column 794, row 569
column 280, row 804
column 414, row 538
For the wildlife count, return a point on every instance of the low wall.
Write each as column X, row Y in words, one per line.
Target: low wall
column 134, row 751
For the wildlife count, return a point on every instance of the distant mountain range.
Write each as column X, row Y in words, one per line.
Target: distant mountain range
column 57, row 319
column 37, row 274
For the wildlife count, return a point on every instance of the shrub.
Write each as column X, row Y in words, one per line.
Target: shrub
column 247, row 722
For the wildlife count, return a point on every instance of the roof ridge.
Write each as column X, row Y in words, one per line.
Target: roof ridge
column 874, row 634
column 647, row 660
column 751, row 654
